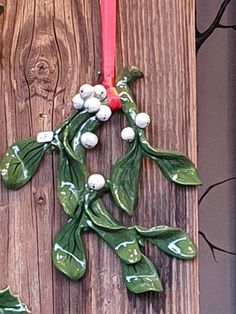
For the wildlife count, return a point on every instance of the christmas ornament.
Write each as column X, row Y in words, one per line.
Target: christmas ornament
column 81, row 194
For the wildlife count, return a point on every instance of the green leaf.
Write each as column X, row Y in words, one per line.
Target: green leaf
column 172, row 241
column 101, row 218
column 89, row 126
column 123, row 242
column 68, row 252
column 128, row 75
column 21, row 162
column 74, row 147
column 173, row 165
column 71, row 180
column 72, row 175
column 73, row 123
column 141, row 277
column 125, row 178
column 63, row 124
column 77, row 122
column 10, row 303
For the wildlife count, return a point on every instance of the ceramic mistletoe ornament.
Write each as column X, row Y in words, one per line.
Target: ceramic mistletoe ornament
column 80, row 192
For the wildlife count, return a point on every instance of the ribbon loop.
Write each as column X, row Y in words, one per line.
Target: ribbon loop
column 108, row 17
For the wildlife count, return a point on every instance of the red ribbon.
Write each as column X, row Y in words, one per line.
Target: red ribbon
column 108, row 17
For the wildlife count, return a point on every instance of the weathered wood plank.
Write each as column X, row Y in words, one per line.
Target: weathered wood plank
column 48, row 49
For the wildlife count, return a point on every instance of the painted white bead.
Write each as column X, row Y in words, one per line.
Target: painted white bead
column 100, row 91
column 86, row 91
column 78, row 102
column 96, row 182
column 142, row 120
column 104, row 113
column 128, row 134
column 89, row 140
column 92, row 104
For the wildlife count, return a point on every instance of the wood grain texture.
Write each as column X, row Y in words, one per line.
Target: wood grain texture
column 48, row 49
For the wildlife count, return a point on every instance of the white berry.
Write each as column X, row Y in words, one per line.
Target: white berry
column 104, row 113
column 96, row 182
column 142, row 120
column 92, row 104
column 78, row 102
column 128, row 134
column 86, row 91
column 89, row 140
column 100, row 91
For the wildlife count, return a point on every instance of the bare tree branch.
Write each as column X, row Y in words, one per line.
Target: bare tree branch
column 211, row 245
column 227, row 26
column 212, row 187
column 214, row 248
column 202, row 37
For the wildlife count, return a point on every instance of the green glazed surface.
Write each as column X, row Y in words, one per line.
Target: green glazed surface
column 141, row 277
column 125, row 178
column 11, row 304
column 21, row 162
column 68, row 252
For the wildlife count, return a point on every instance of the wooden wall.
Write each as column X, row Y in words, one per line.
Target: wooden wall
column 49, row 48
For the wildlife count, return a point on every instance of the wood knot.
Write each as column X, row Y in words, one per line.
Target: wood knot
column 41, row 200
column 44, row 64
column 42, row 78
column 41, row 67
column 41, row 70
